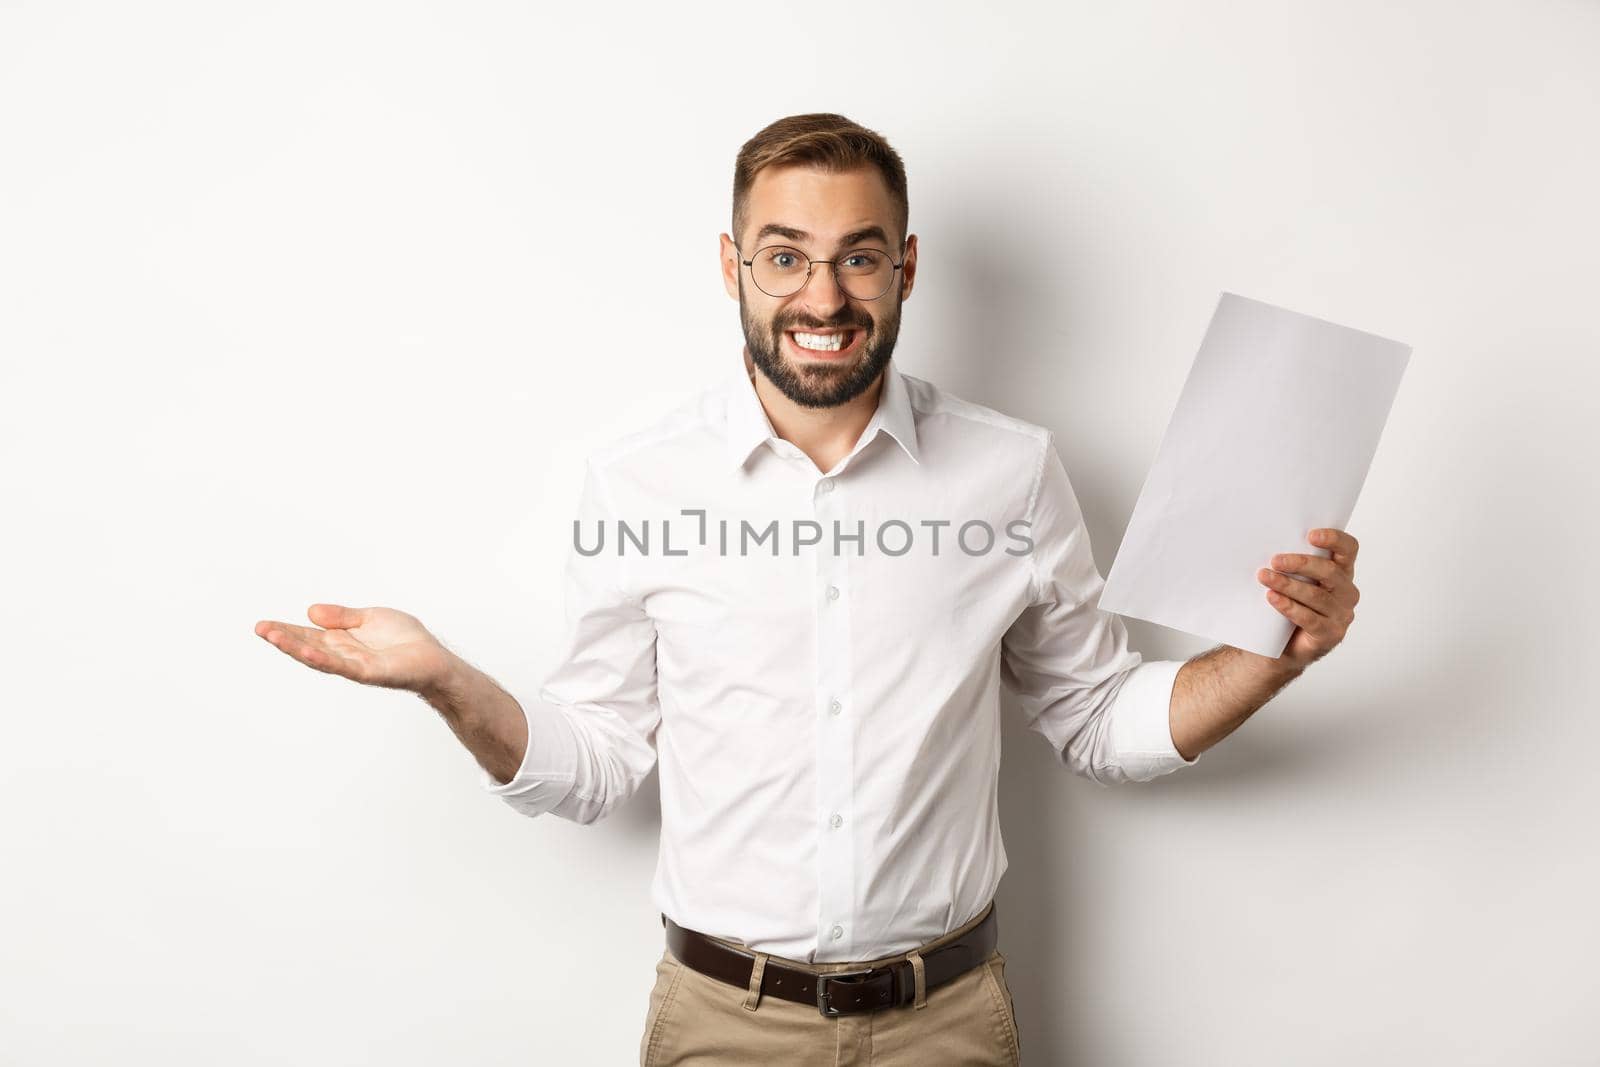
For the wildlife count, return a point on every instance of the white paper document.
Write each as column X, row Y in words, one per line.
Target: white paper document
column 1272, row 437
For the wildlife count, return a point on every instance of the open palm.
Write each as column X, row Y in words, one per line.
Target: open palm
column 374, row 646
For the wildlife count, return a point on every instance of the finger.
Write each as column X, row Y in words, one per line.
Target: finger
column 301, row 633
column 310, row 647
column 1342, row 546
column 1316, row 624
column 1316, row 597
column 336, row 616
column 286, row 637
column 1326, row 572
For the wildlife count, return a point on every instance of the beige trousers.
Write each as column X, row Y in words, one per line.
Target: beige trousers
column 695, row 1019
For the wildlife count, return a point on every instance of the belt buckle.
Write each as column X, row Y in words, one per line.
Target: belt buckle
column 824, row 1005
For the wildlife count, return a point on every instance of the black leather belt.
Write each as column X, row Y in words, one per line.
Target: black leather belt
column 889, row 985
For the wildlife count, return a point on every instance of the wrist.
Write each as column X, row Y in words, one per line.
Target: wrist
column 1280, row 673
column 1274, row 672
column 446, row 682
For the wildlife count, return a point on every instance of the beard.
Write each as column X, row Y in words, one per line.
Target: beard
column 819, row 385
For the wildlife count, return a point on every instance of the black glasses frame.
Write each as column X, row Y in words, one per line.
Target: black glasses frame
column 811, row 265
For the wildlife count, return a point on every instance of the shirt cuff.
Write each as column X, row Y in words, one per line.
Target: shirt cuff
column 549, row 765
column 1141, row 727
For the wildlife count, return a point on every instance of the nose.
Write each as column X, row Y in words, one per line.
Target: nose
column 821, row 291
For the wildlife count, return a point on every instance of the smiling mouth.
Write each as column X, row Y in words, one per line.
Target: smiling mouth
column 826, row 343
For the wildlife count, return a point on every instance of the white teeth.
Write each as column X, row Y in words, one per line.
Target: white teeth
column 822, row 342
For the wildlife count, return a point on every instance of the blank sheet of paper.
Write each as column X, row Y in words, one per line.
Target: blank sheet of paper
column 1272, row 437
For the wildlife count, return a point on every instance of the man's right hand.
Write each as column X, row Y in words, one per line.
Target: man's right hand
column 374, row 646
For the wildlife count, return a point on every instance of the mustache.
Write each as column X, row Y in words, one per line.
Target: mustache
column 846, row 325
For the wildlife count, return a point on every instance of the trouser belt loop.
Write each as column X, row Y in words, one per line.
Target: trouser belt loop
column 754, row 997
column 921, row 978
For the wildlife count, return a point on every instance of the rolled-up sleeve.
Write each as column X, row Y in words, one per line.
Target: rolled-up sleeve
column 1102, row 707
column 592, row 730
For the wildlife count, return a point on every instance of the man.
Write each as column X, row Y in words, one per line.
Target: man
column 847, row 563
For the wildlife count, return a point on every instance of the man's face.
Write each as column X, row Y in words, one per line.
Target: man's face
column 823, row 215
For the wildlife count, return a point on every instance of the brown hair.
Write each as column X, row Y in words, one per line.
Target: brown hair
column 822, row 139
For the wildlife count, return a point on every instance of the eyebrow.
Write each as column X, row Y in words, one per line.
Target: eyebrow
column 777, row 229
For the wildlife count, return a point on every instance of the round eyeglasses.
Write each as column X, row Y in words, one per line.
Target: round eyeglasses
column 781, row 270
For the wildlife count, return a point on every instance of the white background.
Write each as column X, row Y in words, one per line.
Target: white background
column 328, row 301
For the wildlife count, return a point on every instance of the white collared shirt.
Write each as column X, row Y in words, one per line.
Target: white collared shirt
column 819, row 676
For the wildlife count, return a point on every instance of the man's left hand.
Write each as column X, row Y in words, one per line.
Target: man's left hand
column 1321, row 609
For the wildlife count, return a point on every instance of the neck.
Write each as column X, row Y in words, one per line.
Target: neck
column 826, row 435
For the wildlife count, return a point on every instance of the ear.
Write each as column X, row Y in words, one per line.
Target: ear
column 908, row 269
column 730, row 266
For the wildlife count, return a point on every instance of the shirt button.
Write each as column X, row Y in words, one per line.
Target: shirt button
column 835, row 708
column 837, row 931
column 837, row 820
column 833, row 592
column 826, row 486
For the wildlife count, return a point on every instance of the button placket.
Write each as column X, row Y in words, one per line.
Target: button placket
column 835, row 739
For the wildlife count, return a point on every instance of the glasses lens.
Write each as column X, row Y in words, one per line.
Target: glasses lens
column 778, row 270
column 864, row 273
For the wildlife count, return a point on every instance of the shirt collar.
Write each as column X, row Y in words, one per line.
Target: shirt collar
column 748, row 425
